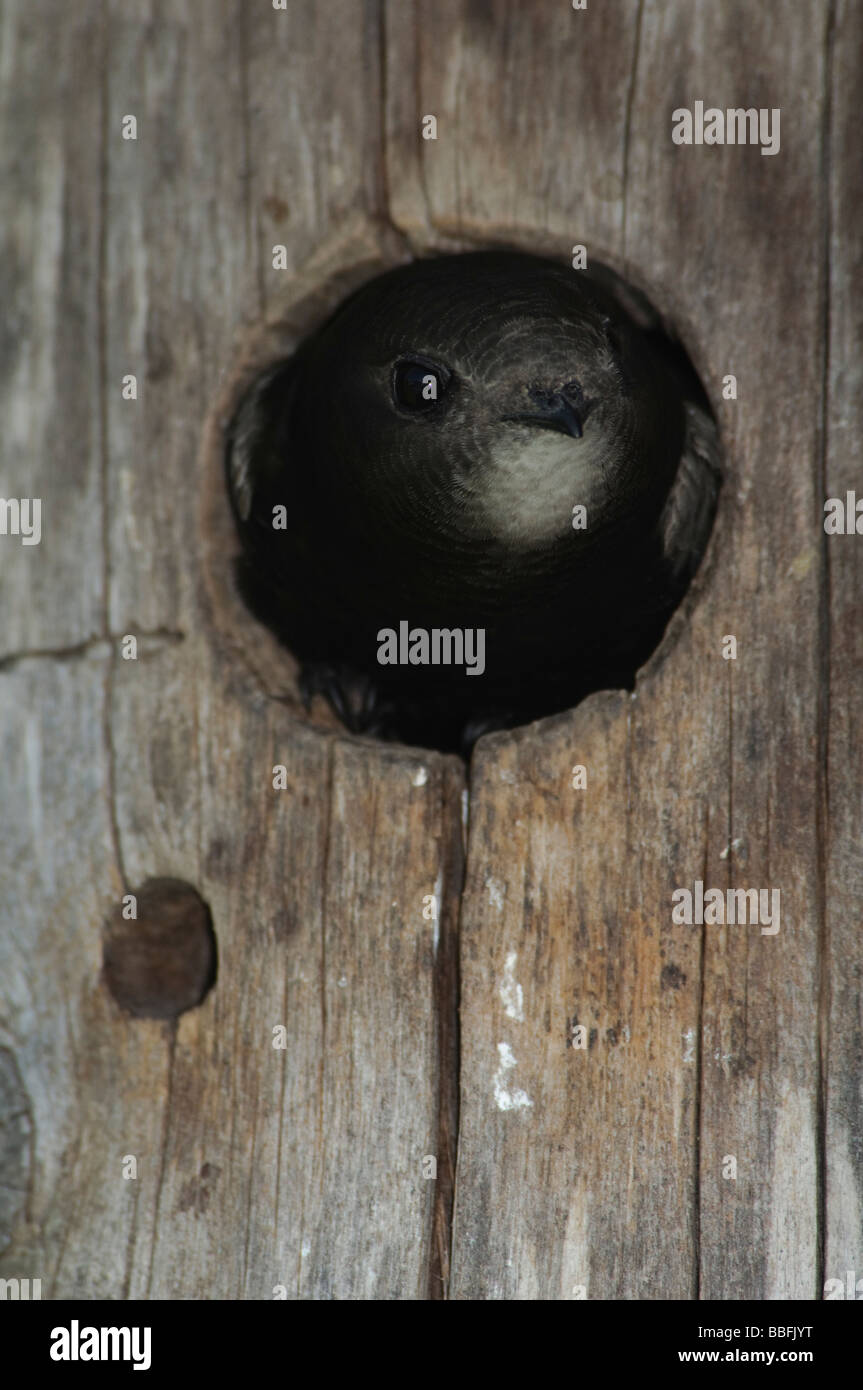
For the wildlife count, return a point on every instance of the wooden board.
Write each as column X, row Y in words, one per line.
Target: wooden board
column 706, row 1044
column 303, row 1167
column 562, row 1172
column 841, row 809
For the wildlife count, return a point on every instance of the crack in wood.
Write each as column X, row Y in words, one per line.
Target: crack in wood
column 447, row 977
column 823, row 710
column 627, row 128
column 88, row 646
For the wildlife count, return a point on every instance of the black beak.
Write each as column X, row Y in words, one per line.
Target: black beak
column 554, row 411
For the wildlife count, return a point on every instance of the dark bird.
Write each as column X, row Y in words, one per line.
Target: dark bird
column 431, row 447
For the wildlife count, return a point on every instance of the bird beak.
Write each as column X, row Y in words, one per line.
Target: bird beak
column 554, row 413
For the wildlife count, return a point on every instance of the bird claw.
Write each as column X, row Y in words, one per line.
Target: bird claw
column 360, row 704
column 353, row 695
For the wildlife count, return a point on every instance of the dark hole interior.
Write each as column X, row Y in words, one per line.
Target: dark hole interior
column 474, row 495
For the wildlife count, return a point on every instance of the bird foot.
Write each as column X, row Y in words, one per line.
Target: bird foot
column 353, row 695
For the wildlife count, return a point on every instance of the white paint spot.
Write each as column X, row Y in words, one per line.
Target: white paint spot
column 689, row 1045
column 438, row 889
column 732, row 848
column 343, row 982
column 506, row 1099
column 511, row 993
column 495, row 893
column 305, row 1249
column 420, row 777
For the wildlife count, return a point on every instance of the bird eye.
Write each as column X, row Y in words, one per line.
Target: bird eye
column 419, row 386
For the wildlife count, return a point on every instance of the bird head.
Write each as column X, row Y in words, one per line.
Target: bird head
column 440, row 429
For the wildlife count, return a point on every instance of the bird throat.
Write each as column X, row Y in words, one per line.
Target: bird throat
column 537, row 479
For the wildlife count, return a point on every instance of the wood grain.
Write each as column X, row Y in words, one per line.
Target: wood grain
column 709, row 753
column 842, row 656
column 258, row 1169
column 562, row 1172
column 50, row 373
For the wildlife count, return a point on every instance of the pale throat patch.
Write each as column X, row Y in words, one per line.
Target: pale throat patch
column 535, row 480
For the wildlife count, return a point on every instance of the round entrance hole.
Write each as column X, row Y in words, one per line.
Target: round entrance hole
column 468, row 492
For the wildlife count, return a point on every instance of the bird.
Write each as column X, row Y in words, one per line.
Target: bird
column 485, row 442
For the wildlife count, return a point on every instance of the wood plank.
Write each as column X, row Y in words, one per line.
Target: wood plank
column 721, row 1051
column 581, row 1172
column 843, row 857
column 531, row 108
column 740, row 297
column 52, row 905
column 180, row 277
column 253, row 1164
column 266, row 1156
column 314, row 125
column 50, row 350
column 257, row 1167
column 575, row 1168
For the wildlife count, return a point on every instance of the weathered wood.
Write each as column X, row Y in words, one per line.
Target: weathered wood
column 591, row 1184
column 594, row 1171
column 299, row 1167
column 531, row 104
column 758, row 721
column 50, row 348
column 842, row 662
